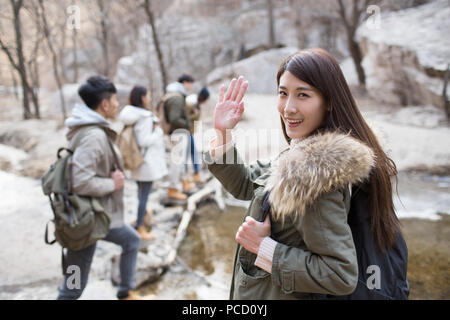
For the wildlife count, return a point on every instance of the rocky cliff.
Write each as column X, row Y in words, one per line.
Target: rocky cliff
column 199, row 43
column 406, row 57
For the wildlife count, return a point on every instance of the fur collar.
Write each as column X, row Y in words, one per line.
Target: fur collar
column 316, row 165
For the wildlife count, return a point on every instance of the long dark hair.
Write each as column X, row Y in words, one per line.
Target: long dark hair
column 136, row 94
column 321, row 70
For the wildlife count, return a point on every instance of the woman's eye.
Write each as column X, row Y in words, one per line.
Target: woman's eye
column 282, row 93
column 302, row 95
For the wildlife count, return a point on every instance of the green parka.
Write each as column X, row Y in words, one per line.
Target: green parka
column 309, row 185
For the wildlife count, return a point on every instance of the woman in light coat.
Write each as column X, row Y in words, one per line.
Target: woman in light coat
column 150, row 140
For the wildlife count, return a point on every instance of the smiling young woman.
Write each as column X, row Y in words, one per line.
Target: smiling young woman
column 296, row 241
column 301, row 107
column 329, row 90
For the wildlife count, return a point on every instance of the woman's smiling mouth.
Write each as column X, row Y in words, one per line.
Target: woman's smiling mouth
column 293, row 123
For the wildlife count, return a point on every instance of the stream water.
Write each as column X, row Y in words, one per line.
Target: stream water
column 207, row 252
column 206, row 255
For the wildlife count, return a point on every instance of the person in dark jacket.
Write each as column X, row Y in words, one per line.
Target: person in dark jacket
column 193, row 107
column 175, row 107
column 296, row 241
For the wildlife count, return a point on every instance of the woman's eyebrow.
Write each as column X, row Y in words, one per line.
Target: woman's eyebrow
column 299, row 88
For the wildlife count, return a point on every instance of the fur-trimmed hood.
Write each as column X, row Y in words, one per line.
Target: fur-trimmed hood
column 316, row 165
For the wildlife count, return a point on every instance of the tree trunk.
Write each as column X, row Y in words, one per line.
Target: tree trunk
column 162, row 68
column 35, row 99
column 444, row 92
column 351, row 24
column 355, row 51
column 26, row 102
column 271, row 24
column 14, row 80
column 54, row 58
column 33, row 68
column 21, row 59
column 104, row 36
column 75, row 55
column 296, row 21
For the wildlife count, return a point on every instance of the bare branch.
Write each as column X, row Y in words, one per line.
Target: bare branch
column 8, row 54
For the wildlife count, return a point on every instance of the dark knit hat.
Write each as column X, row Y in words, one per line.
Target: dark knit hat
column 203, row 95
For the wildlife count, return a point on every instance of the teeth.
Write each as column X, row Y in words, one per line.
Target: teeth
column 298, row 121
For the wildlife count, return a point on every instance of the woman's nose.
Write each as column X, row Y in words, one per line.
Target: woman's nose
column 289, row 108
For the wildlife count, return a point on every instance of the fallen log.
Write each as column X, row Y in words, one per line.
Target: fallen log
column 151, row 264
column 192, row 203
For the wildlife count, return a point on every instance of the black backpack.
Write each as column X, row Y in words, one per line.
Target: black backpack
column 381, row 275
column 390, row 265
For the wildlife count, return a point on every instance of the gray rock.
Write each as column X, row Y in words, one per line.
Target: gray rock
column 406, row 57
column 260, row 70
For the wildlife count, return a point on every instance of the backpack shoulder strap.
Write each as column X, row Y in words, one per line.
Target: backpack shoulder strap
column 83, row 133
column 116, row 159
column 169, row 95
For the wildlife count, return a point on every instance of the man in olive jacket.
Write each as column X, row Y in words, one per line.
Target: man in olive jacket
column 96, row 173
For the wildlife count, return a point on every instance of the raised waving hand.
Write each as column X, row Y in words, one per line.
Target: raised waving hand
column 229, row 108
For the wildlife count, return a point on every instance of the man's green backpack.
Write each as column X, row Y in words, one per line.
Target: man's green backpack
column 79, row 220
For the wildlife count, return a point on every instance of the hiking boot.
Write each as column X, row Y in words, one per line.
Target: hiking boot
column 198, row 179
column 148, row 218
column 189, row 187
column 174, row 194
column 144, row 234
column 134, row 295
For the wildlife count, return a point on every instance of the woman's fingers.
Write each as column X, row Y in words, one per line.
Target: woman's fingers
column 230, row 89
column 242, row 91
column 236, row 88
column 221, row 93
column 250, row 220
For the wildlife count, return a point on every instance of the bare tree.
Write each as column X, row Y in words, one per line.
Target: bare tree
column 33, row 66
column 444, row 92
column 17, row 59
column 150, row 16
column 75, row 55
column 104, row 33
column 18, row 64
column 14, row 82
column 58, row 26
column 50, row 45
column 297, row 22
column 351, row 15
column 271, row 24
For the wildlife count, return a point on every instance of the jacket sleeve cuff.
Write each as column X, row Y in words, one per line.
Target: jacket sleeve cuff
column 109, row 186
column 265, row 254
column 217, row 153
